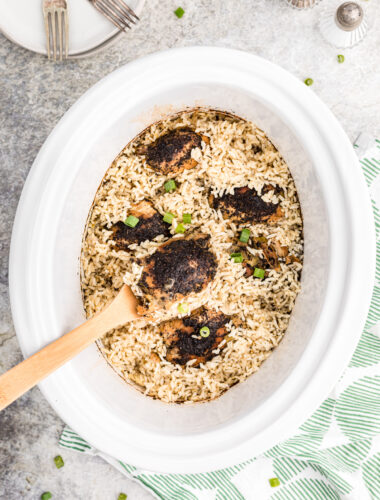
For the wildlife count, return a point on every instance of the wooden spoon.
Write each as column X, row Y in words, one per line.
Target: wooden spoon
column 18, row 380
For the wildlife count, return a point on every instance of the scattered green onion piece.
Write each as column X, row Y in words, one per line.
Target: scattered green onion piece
column 204, row 332
column 259, row 273
column 186, row 218
column 131, row 221
column 340, row 58
column 237, row 257
column 183, row 308
column 122, row 496
column 170, row 186
column 46, row 496
column 308, row 81
column 180, row 229
column 274, row 481
column 168, row 217
column 179, row 12
column 244, row 235
column 58, row 460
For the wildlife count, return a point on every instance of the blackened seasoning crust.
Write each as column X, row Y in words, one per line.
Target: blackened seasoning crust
column 245, row 205
column 177, row 268
column 149, row 226
column 171, row 153
column 184, row 341
column 256, row 149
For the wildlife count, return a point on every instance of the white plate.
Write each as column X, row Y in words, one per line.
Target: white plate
column 337, row 278
column 22, row 22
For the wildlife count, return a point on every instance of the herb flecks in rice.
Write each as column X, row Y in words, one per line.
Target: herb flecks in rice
column 236, row 154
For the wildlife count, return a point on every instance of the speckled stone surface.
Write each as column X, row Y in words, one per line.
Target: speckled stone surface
column 35, row 93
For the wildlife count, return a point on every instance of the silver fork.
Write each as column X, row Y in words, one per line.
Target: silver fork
column 118, row 12
column 56, row 28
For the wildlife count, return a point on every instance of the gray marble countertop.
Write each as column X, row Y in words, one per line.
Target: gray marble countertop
column 35, row 93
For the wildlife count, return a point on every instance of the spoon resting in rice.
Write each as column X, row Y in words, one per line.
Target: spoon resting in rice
column 178, row 267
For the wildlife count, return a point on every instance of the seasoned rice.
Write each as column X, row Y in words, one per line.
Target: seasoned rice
column 239, row 154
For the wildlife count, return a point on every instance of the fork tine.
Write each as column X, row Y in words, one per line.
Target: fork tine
column 66, row 25
column 47, row 30
column 53, row 20
column 60, row 42
column 120, row 16
column 56, row 28
column 118, row 12
column 121, row 7
column 105, row 13
column 128, row 9
column 110, row 14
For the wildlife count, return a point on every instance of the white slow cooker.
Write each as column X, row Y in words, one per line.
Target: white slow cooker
column 336, row 282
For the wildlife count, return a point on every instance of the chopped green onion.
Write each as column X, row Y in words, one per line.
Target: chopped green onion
column 183, row 308
column 204, row 332
column 122, row 496
column 259, row 273
column 237, row 257
column 186, row 218
column 180, row 229
column 168, row 217
column 244, row 235
column 170, row 186
column 308, row 81
column 179, row 12
column 131, row 221
column 274, row 481
column 46, row 496
column 58, row 460
column 340, row 58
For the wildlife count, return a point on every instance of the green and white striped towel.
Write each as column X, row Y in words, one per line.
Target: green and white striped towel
column 334, row 455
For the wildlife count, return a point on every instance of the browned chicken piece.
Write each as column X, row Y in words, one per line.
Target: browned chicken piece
column 183, row 339
column 281, row 250
column 178, row 267
column 246, row 206
column 149, row 226
column 272, row 255
column 271, row 252
column 250, row 261
column 289, row 259
column 171, row 153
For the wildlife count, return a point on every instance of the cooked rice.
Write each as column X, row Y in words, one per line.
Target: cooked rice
column 137, row 350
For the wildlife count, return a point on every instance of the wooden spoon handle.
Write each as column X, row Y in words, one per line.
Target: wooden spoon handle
column 29, row 372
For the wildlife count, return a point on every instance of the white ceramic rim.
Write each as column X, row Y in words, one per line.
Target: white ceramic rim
column 232, row 443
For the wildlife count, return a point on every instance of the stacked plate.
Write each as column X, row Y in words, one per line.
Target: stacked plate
column 22, row 22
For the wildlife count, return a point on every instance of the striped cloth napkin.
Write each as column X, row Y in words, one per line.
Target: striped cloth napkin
column 334, row 455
